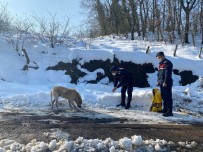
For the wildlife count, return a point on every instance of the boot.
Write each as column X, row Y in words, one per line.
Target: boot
column 162, row 111
column 168, row 113
column 128, row 105
column 122, row 104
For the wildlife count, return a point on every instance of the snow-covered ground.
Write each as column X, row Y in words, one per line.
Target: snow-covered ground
column 29, row 91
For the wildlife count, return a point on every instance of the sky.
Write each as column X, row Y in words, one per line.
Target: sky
column 62, row 8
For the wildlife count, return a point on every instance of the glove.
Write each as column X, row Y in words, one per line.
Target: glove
column 164, row 84
column 114, row 89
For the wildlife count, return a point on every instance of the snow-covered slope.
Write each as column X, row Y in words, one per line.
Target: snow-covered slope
column 29, row 91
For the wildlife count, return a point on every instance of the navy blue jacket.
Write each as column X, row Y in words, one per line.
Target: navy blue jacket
column 123, row 77
column 165, row 72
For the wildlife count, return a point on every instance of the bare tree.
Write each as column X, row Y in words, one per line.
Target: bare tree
column 141, row 16
column 102, row 19
column 125, row 18
column 19, row 33
column 195, row 25
column 5, row 18
column 158, row 24
column 115, row 11
column 178, row 16
column 27, row 64
column 51, row 30
column 98, row 16
column 145, row 21
column 154, row 5
column 187, row 7
column 85, row 36
column 18, row 36
column 170, row 21
column 201, row 20
column 155, row 19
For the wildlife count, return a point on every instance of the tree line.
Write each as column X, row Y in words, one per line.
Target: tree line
column 167, row 20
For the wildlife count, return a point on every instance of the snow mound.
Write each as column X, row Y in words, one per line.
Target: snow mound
column 135, row 143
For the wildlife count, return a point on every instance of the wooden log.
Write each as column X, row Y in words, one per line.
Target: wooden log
column 174, row 53
column 147, row 51
column 200, row 52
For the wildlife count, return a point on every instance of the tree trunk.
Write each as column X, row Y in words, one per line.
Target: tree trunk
column 201, row 20
column 202, row 35
column 132, row 33
column 154, row 12
column 200, row 52
column 193, row 38
column 142, row 19
column 137, row 23
column 163, row 25
column 174, row 20
column 133, row 18
column 187, row 9
column 187, row 24
column 101, row 17
column 179, row 18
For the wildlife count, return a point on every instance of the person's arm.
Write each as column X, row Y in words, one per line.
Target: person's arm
column 157, row 83
column 168, row 72
column 115, row 84
column 123, row 78
column 115, row 81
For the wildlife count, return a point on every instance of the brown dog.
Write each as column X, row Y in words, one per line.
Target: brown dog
column 72, row 95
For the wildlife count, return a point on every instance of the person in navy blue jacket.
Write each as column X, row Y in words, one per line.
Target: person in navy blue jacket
column 124, row 79
column 165, row 82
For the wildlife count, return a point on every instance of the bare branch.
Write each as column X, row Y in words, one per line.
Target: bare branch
column 51, row 30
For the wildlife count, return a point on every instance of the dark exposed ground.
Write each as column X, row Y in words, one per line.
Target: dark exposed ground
column 23, row 128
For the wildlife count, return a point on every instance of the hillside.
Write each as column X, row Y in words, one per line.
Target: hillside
column 27, row 92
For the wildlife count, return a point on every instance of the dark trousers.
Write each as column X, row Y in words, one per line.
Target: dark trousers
column 166, row 94
column 129, row 89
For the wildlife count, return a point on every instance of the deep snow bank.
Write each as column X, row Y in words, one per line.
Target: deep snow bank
column 76, row 63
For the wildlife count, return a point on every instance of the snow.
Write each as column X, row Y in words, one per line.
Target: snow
column 187, row 144
column 26, row 91
column 81, row 144
column 137, row 140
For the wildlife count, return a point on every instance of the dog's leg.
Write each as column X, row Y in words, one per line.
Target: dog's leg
column 52, row 104
column 70, row 105
column 52, row 101
column 57, row 104
column 76, row 106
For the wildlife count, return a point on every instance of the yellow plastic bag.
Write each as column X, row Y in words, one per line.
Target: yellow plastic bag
column 156, row 100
